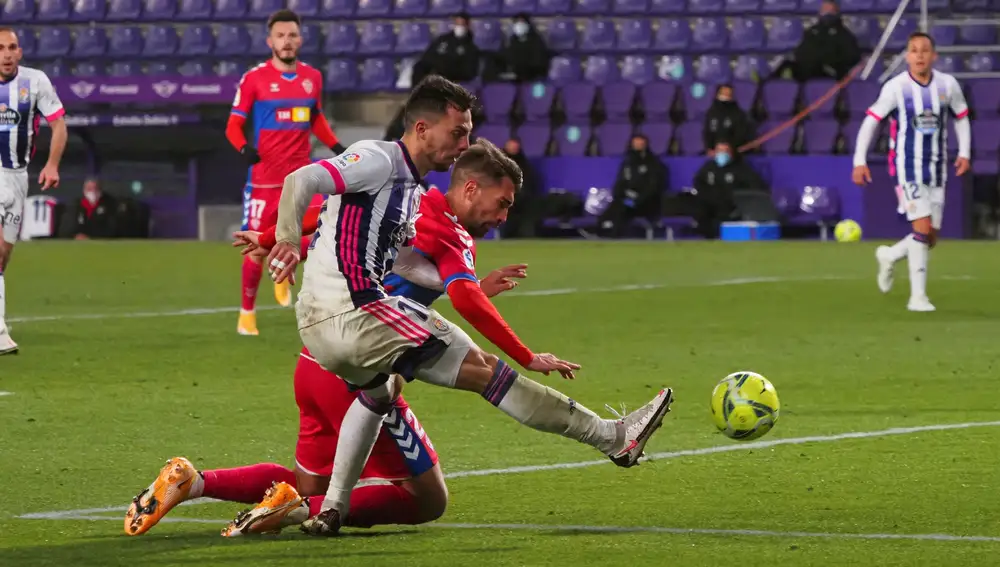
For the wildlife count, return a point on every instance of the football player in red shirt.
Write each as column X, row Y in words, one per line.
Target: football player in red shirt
column 282, row 98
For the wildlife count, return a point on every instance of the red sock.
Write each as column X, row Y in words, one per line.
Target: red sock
column 244, row 484
column 251, row 281
column 376, row 505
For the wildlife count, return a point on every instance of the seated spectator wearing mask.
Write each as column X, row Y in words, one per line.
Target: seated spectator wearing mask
column 95, row 213
column 828, row 49
column 725, row 121
column 452, row 55
column 638, row 190
column 525, row 54
column 522, row 220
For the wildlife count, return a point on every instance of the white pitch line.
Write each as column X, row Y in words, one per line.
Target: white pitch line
column 87, row 513
column 6, row 394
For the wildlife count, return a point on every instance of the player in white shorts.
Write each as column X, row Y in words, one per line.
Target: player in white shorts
column 353, row 328
column 25, row 95
column 920, row 100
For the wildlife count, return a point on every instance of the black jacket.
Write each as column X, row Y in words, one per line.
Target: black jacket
column 454, row 58
column 716, row 184
column 726, row 121
column 527, row 57
column 641, row 182
column 827, row 50
column 96, row 220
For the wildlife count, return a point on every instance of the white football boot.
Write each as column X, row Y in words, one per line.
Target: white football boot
column 920, row 304
column 7, row 344
column 636, row 428
column 885, row 268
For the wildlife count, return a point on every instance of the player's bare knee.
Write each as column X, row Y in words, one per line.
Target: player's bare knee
column 397, row 386
column 309, row 484
column 431, row 494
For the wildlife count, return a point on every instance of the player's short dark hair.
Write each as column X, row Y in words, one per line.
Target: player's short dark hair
column 484, row 159
column 919, row 34
column 283, row 16
column 432, row 97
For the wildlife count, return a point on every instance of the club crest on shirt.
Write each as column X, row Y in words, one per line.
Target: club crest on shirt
column 469, row 261
column 440, row 325
column 307, row 86
column 23, row 95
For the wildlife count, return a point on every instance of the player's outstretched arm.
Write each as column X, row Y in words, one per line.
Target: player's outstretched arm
column 963, row 129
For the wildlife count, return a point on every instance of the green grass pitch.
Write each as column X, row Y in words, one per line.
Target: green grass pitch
column 105, row 390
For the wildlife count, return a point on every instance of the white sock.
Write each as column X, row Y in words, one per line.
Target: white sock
column 544, row 409
column 358, row 432
column 918, row 254
column 899, row 250
column 3, row 305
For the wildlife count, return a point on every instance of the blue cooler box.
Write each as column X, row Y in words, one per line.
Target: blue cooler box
column 750, row 231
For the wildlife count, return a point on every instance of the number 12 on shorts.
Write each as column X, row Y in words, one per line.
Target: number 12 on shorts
column 912, row 191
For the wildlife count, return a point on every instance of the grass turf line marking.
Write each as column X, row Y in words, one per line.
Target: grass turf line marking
column 88, row 513
column 6, row 394
column 526, row 293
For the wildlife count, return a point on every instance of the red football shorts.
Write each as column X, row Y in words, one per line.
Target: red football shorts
column 402, row 451
column 260, row 207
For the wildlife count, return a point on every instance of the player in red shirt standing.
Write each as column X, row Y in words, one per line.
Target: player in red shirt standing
column 284, row 99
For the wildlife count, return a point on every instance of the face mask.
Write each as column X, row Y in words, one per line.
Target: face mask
column 459, row 31
column 724, row 100
column 91, row 196
column 521, row 29
column 722, row 159
column 829, row 18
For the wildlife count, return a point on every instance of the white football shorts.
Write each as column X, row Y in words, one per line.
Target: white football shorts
column 922, row 201
column 13, row 192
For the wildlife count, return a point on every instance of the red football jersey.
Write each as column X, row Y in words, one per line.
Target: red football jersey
column 282, row 107
column 444, row 241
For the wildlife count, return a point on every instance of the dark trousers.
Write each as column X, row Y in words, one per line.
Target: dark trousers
column 709, row 213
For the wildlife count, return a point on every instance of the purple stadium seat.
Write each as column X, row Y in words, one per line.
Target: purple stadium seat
column 53, row 42
column 675, row 69
column 667, row 7
column 53, row 11
column 193, row 68
column 672, row 35
column 126, row 41
column 488, row 34
column 618, row 98
column 378, row 74
column 811, row 7
column 706, row 6
column 860, row 96
column 341, row 75
column 823, row 209
column 482, row 8
column 377, row 38
column 196, row 40
column 708, row 34
column 944, row 35
column 933, row 6
column 233, row 40
column 750, row 68
column 258, row 40
column 778, row 6
column 553, row 7
column 578, row 100
column 511, row 7
column 638, row 69
column 980, row 63
column 231, row 9
column 742, row 6
column 90, row 42
column 188, row 10
column 124, row 69
column 496, row 133
column 54, row 69
column 572, row 140
column 630, row 7
column 865, row 29
column 87, row 69
column 536, row 100
column 89, row 10
column 696, row 100
column 229, row 69
column 613, row 138
column 855, row 6
column 535, row 138
column 262, row 9
column 123, row 10
column 413, row 38
column 341, row 39
column 161, row 69
column 978, row 35
column 659, row 135
column 591, row 7
column 984, row 95
column 785, row 34
column 561, row 35
column 304, row 8
column 635, row 36
column 28, row 41
column 498, row 101
column 333, row 9
column 688, row 138
column 598, row 36
column 967, row 6
column 747, row 35
column 312, row 39
column 409, row 8
column 986, row 138
column 813, row 90
column 600, row 69
column 744, row 92
column 18, row 11
column 949, row 63
column 713, row 69
column 779, row 97
column 162, row 41
column 902, row 31
column 820, row 136
column 657, row 99
column 157, row 10
column 780, row 144
column 564, row 70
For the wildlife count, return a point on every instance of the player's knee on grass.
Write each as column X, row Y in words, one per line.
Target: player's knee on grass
column 477, row 371
column 431, row 493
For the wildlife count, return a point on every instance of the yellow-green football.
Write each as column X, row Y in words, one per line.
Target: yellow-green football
column 744, row 406
column 847, row 231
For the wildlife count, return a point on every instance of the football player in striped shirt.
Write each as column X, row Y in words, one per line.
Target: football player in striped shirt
column 920, row 101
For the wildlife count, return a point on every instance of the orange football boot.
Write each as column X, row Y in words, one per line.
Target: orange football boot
column 281, row 507
column 170, row 488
